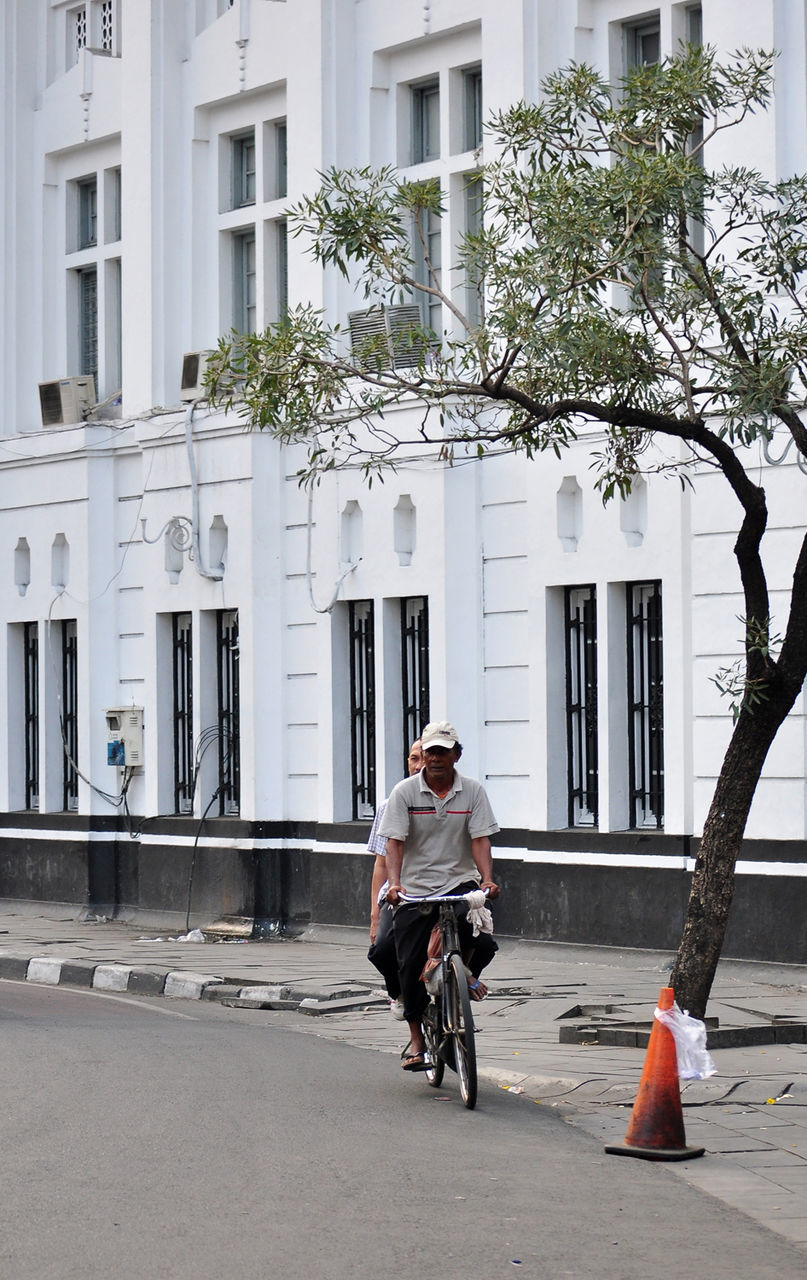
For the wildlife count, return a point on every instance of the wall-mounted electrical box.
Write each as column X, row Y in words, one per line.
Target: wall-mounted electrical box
column 124, row 736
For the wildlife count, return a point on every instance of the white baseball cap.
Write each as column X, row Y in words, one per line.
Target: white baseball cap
column 439, row 734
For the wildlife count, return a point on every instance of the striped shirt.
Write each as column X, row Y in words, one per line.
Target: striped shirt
column 437, row 833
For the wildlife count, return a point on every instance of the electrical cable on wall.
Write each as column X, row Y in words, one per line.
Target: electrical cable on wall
column 199, row 565
column 115, row 800
column 353, row 564
column 209, row 736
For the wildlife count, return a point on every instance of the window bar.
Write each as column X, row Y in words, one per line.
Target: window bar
column 646, row 704
column 581, row 705
column 31, row 658
column 414, row 667
column 228, row 712
column 183, row 712
column 69, row 715
column 362, row 690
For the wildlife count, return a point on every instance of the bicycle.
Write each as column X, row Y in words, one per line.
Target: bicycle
column 448, row 1025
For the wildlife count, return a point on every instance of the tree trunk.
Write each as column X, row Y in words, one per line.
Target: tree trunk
column 713, row 879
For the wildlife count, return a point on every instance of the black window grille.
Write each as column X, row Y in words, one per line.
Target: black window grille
column 69, row 715
column 645, row 704
column 228, row 712
column 31, row 661
column 182, row 649
column 362, row 707
column 414, row 667
column 581, row 705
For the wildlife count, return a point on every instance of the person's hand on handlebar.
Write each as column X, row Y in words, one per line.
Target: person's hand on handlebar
column 392, row 894
column 490, row 887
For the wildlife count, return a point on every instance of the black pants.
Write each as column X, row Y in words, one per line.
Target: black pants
column 383, row 955
column 412, row 926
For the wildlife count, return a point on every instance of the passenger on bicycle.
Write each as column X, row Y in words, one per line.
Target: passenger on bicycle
column 382, row 943
column 438, row 826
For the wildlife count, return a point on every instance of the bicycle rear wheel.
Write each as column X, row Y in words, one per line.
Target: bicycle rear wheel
column 462, row 1030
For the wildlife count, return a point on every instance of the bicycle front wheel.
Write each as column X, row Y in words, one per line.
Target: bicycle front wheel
column 431, row 1033
column 462, row 1030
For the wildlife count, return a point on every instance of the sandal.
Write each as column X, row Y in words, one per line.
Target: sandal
column 415, row 1062
column 477, row 990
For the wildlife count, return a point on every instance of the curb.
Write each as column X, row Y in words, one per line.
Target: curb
column 184, row 984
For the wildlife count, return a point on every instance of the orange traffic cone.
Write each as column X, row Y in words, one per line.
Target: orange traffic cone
column 656, row 1129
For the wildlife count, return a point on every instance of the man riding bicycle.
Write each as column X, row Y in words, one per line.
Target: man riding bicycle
column 437, row 826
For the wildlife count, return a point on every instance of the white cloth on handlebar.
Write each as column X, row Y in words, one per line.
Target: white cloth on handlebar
column 478, row 914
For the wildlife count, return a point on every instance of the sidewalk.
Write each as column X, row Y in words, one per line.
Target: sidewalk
column 751, row 1117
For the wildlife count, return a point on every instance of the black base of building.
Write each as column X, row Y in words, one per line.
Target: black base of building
column 174, row 879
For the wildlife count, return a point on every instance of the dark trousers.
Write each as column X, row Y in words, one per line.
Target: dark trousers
column 412, row 926
column 382, row 953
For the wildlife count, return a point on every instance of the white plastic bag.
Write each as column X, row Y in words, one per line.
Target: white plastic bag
column 694, row 1060
column 479, row 915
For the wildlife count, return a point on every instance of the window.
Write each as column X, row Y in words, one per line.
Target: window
column 244, row 282
column 581, row 705
column 244, row 169
column 362, row 703
column 694, row 35
column 645, row 705
column 76, row 33
column 87, row 213
column 281, row 268
column 474, row 198
column 428, row 255
column 31, row 682
column 112, row 206
column 228, row 712
column 107, row 19
column 182, row 648
column 472, row 108
column 281, row 161
column 643, row 43
column 93, row 292
column 68, row 715
column 414, row 667
column 91, row 26
column 425, row 122
column 88, row 321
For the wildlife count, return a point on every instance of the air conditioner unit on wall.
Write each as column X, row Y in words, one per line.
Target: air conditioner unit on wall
column 194, row 364
column 67, row 400
column 386, row 337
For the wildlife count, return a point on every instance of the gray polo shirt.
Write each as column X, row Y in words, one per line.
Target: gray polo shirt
column 437, row 833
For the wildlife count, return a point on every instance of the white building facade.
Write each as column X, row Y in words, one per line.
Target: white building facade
column 264, row 654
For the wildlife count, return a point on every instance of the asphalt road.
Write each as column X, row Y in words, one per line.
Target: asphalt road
column 145, row 1141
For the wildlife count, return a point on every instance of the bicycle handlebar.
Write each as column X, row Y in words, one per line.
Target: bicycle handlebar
column 443, row 897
